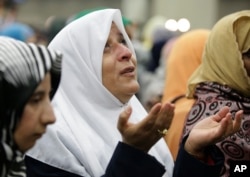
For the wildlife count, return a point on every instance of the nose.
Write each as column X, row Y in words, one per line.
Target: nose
column 124, row 53
column 48, row 116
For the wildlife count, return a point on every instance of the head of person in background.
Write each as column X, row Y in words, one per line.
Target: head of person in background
column 99, row 79
column 160, row 37
column 223, row 78
column 152, row 92
column 28, row 75
column 9, row 11
column 19, row 31
column 53, row 25
column 185, row 56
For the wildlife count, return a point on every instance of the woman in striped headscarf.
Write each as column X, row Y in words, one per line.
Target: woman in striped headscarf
column 28, row 73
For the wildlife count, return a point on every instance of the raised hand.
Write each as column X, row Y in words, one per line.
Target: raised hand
column 144, row 134
column 212, row 130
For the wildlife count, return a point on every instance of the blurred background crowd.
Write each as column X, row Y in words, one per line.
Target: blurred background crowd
column 152, row 25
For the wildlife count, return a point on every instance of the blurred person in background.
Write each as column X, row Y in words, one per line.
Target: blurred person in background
column 19, row 31
column 153, row 83
column 9, row 11
column 184, row 57
column 160, row 36
column 10, row 26
column 53, row 25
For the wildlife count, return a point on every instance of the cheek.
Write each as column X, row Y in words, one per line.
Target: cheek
column 134, row 60
column 22, row 135
column 28, row 123
column 108, row 70
column 109, row 79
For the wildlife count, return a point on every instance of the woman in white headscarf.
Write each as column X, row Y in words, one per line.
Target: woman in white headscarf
column 98, row 82
column 87, row 111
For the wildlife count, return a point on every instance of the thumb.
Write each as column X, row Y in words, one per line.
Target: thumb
column 123, row 118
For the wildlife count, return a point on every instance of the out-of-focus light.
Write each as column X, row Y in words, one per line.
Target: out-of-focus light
column 171, row 25
column 183, row 25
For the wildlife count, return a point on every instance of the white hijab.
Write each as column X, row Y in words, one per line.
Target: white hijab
column 85, row 134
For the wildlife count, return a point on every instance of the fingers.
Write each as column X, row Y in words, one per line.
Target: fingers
column 166, row 108
column 225, row 125
column 221, row 114
column 123, row 118
column 230, row 126
column 237, row 121
column 168, row 111
column 162, row 110
column 165, row 116
column 159, row 118
column 155, row 109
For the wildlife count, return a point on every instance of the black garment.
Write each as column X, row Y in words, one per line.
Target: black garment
column 130, row 162
column 187, row 165
column 125, row 162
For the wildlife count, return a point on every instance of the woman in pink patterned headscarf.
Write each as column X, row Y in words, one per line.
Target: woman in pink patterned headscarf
column 223, row 79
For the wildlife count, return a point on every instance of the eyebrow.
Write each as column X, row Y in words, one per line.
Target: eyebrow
column 120, row 34
column 38, row 93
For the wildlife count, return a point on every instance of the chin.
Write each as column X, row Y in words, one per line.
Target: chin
column 133, row 89
column 135, row 86
column 26, row 147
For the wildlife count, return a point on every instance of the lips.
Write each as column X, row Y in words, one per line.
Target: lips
column 126, row 70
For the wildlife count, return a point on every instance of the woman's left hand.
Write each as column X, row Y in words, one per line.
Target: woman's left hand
column 211, row 130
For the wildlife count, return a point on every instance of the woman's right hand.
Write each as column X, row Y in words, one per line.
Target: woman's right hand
column 144, row 134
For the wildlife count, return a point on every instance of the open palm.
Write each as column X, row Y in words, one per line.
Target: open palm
column 212, row 130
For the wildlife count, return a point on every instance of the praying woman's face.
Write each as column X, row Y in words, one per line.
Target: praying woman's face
column 119, row 73
column 37, row 114
column 246, row 60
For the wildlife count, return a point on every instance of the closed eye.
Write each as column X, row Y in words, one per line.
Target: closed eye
column 123, row 41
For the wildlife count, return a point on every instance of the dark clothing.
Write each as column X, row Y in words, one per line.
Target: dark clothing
column 130, row 162
column 125, row 162
column 155, row 55
column 211, row 97
column 187, row 165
